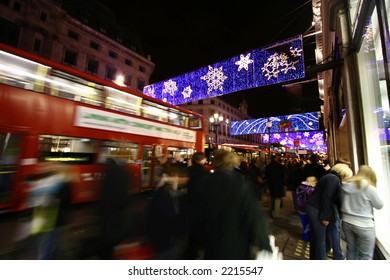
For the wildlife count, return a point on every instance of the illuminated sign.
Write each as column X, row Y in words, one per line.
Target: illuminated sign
column 280, row 62
column 286, row 123
column 98, row 119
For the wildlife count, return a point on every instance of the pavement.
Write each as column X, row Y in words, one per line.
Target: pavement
column 16, row 243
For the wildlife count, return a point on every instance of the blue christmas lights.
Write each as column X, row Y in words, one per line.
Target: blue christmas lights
column 308, row 140
column 286, row 123
column 276, row 63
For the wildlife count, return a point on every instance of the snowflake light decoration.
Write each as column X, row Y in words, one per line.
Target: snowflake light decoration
column 170, row 87
column 150, row 91
column 295, row 52
column 214, row 79
column 244, row 62
column 278, row 63
column 261, row 67
column 187, row 92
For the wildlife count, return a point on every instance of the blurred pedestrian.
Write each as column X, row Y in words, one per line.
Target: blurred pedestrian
column 166, row 225
column 304, row 191
column 228, row 220
column 51, row 198
column 295, row 178
column 323, row 212
column 113, row 206
column 277, row 178
column 313, row 168
column 256, row 174
column 196, row 171
column 359, row 197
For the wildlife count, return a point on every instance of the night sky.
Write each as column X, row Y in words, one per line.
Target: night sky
column 183, row 36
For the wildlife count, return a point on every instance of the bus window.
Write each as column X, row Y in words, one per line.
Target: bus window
column 75, row 88
column 154, row 111
column 66, row 149
column 180, row 155
column 123, row 101
column 9, row 158
column 22, row 73
column 116, row 149
column 147, row 156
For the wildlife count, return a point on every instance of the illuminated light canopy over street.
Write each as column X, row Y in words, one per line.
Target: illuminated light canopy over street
column 308, row 140
column 287, row 123
column 279, row 62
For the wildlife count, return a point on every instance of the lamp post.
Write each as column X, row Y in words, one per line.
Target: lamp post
column 215, row 121
column 269, row 125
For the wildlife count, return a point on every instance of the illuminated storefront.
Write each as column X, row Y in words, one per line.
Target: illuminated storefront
column 357, row 114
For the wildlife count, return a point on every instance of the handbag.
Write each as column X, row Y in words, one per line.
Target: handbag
column 44, row 218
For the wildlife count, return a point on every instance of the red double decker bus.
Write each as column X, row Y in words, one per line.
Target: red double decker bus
column 52, row 113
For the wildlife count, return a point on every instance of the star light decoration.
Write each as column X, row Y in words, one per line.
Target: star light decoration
column 261, row 67
column 277, row 63
column 187, row 92
column 244, row 62
column 170, row 87
column 214, row 79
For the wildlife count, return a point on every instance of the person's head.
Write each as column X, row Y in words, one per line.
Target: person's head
column 312, row 181
column 342, row 170
column 175, row 176
column 365, row 173
column 343, row 160
column 198, row 157
column 225, row 159
column 314, row 158
column 275, row 158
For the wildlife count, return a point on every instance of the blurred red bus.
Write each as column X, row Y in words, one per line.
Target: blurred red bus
column 51, row 112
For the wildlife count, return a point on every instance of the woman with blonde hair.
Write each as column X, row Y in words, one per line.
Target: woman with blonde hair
column 358, row 198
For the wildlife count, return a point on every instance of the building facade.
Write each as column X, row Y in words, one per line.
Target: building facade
column 214, row 137
column 353, row 49
column 82, row 34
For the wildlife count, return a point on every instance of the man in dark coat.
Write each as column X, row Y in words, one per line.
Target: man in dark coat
column 114, row 202
column 276, row 176
column 228, row 219
column 323, row 213
column 196, row 171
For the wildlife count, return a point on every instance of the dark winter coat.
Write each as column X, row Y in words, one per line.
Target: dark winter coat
column 276, row 174
column 326, row 196
column 227, row 217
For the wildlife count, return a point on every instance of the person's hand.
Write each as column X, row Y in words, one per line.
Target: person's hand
column 324, row 222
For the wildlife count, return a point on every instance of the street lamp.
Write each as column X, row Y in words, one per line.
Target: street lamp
column 269, row 125
column 215, row 121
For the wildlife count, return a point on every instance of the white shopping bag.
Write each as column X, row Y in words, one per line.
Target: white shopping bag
column 267, row 255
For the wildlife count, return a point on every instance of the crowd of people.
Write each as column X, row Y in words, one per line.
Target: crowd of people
column 336, row 204
column 198, row 214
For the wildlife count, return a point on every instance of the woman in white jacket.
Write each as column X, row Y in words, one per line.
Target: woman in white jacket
column 358, row 198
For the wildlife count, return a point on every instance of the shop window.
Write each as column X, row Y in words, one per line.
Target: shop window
column 376, row 119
